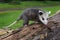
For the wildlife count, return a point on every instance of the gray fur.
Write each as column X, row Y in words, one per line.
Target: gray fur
column 30, row 14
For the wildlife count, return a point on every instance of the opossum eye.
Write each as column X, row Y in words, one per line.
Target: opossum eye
column 42, row 18
column 40, row 13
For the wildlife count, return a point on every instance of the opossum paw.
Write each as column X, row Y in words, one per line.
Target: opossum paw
column 25, row 25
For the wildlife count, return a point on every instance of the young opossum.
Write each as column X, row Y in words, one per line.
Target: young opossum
column 33, row 14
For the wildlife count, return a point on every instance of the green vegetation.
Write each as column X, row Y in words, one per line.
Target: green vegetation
column 26, row 4
column 53, row 9
column 8, row 17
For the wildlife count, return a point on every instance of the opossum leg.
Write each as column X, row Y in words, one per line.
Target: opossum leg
column 38, row 21
column 25, row 21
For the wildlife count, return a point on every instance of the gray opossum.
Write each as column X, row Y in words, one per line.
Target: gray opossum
column 33, row 14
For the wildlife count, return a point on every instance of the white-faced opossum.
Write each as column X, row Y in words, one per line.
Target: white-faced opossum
column 33, row 14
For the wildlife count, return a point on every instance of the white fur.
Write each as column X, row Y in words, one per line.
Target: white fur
column 45, row 21
column 40, row 11
column 45, row 16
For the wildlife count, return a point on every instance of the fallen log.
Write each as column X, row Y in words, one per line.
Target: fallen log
column 37, row 31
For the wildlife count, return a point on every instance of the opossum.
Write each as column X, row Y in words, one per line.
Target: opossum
column 33, row 14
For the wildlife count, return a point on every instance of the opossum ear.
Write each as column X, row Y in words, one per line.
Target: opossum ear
column 49, row 12
column 40, row 12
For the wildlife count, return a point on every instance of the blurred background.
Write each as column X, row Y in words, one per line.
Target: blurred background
column 10, row 10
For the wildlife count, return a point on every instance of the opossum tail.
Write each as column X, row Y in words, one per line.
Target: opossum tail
column 19, row 18
column 14, row 22
column 11, row 24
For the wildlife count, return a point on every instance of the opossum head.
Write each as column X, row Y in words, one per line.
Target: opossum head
column 43, row 16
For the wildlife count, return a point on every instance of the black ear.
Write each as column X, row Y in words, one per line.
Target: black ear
column 41, row 13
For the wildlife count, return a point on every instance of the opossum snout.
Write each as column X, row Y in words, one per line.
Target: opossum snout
column 43, row 19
